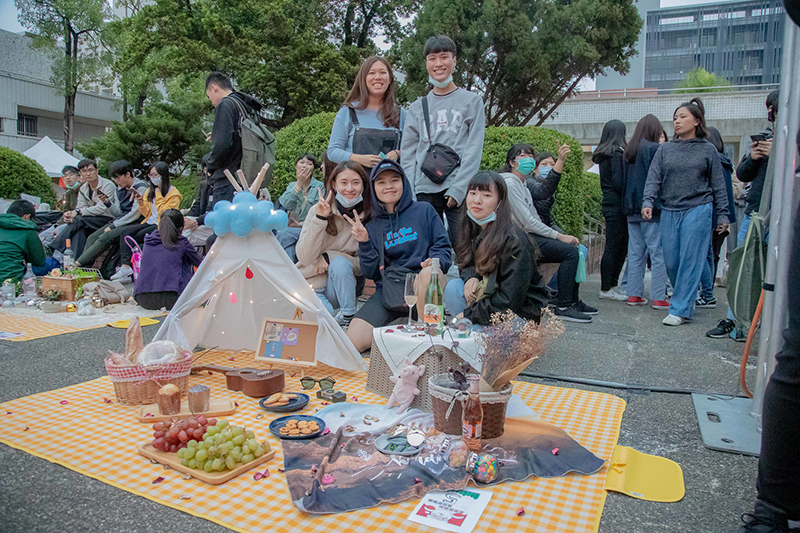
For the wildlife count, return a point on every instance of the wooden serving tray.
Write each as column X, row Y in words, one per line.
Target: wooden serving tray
column 216, row 408
column 214, row 478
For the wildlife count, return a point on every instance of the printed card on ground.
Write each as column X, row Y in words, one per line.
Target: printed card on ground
column 454, row 510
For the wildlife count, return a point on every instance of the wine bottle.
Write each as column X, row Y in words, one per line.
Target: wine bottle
column 29, row 283
column 472, row 415
column 434, row 298
column 68, row 260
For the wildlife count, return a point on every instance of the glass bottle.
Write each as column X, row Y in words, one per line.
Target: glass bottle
column 69, row 257
column 434, row 298
column 29, row 284
column 472, row 415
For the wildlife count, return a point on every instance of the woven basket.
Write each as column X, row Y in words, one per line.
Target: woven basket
column 447, row 407
column 138, row 384
column 437, row 360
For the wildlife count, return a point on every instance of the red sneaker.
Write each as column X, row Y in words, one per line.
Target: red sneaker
column 661, row 304
column 635, row 300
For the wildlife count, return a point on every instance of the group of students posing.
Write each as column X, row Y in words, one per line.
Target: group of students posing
column 673, row 202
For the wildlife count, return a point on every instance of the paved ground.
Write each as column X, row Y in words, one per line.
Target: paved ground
column 623, row 344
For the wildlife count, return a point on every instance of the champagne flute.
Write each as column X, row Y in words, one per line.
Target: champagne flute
column 410, row 293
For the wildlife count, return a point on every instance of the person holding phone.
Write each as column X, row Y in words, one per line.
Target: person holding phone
column 327, row 252
column 297, row 200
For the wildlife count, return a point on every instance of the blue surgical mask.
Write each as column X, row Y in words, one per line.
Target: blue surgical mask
column 74, row 185
column 440, row 84
column 347, row 203
column 544, row 171
column 156, row 181
column 483, row 221
column 526, row 165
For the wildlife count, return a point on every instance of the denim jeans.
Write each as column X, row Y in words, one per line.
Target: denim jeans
column 454, row 300
column 685, row 240
column 340, row 290
column 645, row 238
column 288, row 238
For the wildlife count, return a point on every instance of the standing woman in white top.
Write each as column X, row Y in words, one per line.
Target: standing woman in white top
column 369, row 125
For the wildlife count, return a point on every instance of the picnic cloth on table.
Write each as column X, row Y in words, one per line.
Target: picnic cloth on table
column 36, row 324
column 398, row 343
column 364, row 477
column 58, row 433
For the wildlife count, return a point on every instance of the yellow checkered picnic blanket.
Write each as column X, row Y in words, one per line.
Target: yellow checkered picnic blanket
column 41, row 425
column 30, row 327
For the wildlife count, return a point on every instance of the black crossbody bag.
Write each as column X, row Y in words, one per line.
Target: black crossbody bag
column 441, row 160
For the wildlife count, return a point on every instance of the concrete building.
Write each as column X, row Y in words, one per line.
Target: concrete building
column 740, row 41
column 31, row 107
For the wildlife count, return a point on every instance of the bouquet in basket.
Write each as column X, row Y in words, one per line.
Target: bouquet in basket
column 511, row 343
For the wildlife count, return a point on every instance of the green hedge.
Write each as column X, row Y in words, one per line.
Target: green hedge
column 594, row 195
column 187, row 185
column 308, row 135
column 311, row 135
column 21, row 174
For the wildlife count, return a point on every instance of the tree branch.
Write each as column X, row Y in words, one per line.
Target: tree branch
column 561, row 99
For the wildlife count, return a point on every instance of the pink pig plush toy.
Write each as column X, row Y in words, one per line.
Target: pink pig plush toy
column 405, row 386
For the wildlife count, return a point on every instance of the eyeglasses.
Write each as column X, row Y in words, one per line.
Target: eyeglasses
column 308, row 383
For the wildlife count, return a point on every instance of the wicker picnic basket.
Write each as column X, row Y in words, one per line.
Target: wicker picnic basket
column 139, row 384
column 447, row 402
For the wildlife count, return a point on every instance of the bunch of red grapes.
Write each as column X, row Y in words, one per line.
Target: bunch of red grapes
column 172, row 435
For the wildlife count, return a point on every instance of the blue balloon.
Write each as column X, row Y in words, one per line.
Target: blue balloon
column 245, row 197
column 242, row 220
column 245, row 214
column 280, row 220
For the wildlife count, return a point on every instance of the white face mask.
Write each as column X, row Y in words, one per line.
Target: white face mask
column 440, row 84
column 347, row 203
column 156, row 181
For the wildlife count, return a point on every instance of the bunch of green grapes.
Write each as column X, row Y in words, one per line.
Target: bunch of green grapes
column 223, row 447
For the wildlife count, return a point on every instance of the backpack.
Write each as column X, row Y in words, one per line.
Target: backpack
column 258, row 145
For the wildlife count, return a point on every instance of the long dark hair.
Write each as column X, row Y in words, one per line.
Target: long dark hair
column 698, row 110
column 715, row 138
column 611, row 140
column 648, row 128
column 163, row 170
column 170, row 227
column 514, row 151
column 486, row 255
column 330, row 178
column 389, row 111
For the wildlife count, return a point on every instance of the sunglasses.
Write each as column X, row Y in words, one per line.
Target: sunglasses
column 324, row 383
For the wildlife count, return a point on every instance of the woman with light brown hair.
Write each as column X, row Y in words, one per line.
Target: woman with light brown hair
column 369, row 125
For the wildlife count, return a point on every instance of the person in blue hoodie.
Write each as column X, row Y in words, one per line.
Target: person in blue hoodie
column 706, row 298
column 411, row 234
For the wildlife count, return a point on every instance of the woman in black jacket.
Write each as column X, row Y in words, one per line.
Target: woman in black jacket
column 609, row 156
column 644, row 236
column 495, row 258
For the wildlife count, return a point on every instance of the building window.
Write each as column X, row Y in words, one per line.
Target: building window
column 27, row 125
column 1, row 125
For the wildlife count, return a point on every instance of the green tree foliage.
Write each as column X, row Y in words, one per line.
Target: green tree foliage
column 309, row 135
column 356, row 22
column 575, row 193
column 71, row 30
column 169, row 131
column 524, row 57
column 21, row 174
column 700, row 77
column 571, row 196
column 594, row 195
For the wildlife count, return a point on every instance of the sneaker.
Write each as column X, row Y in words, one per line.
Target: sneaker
column 636, row 300
column 723, row 329
column 738, row 335
column 765, row 518
column 612, row 294
column 344, row 320
column 660, row 304
column 571, row 314
column 672, row 320
column 586, row 309
column 123, row 273
column 703, row 303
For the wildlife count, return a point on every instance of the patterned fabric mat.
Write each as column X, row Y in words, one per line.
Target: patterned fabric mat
column 572, row 503
column 24, row 324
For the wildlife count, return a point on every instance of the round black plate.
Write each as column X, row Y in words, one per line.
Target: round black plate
column 276, row 425
column 294, row 405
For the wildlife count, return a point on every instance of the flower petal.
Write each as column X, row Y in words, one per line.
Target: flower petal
column 106, row 400
column 520, row 511
column 327, row 430
column 158, row 480
column 555, row 451
column 64, row 402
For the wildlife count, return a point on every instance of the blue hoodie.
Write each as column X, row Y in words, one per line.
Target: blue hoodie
column 412, row 234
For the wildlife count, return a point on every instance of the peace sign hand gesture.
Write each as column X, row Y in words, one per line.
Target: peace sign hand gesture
column 324, row 205
column 358, row 230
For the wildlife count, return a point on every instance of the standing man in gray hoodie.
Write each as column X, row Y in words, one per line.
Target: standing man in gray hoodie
column 456, row 120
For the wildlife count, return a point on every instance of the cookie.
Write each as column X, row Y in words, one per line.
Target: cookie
column 306, row 431
column 273, row 398
column 294, row 432
column 284, row 431
column 281, row 403
column 313, row 426
column 292, row 423
column 302, row 424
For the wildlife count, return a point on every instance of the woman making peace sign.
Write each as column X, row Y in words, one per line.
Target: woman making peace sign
column 327, row 253
column 410, row 234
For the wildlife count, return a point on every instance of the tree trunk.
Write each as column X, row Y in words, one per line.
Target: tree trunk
column 69, row 99
column 365, row 26
column 558, row 102
column 69, row 122
column 349, row 15
column 140, row 103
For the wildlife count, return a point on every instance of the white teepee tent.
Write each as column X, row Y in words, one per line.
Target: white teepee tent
column 242, row 281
